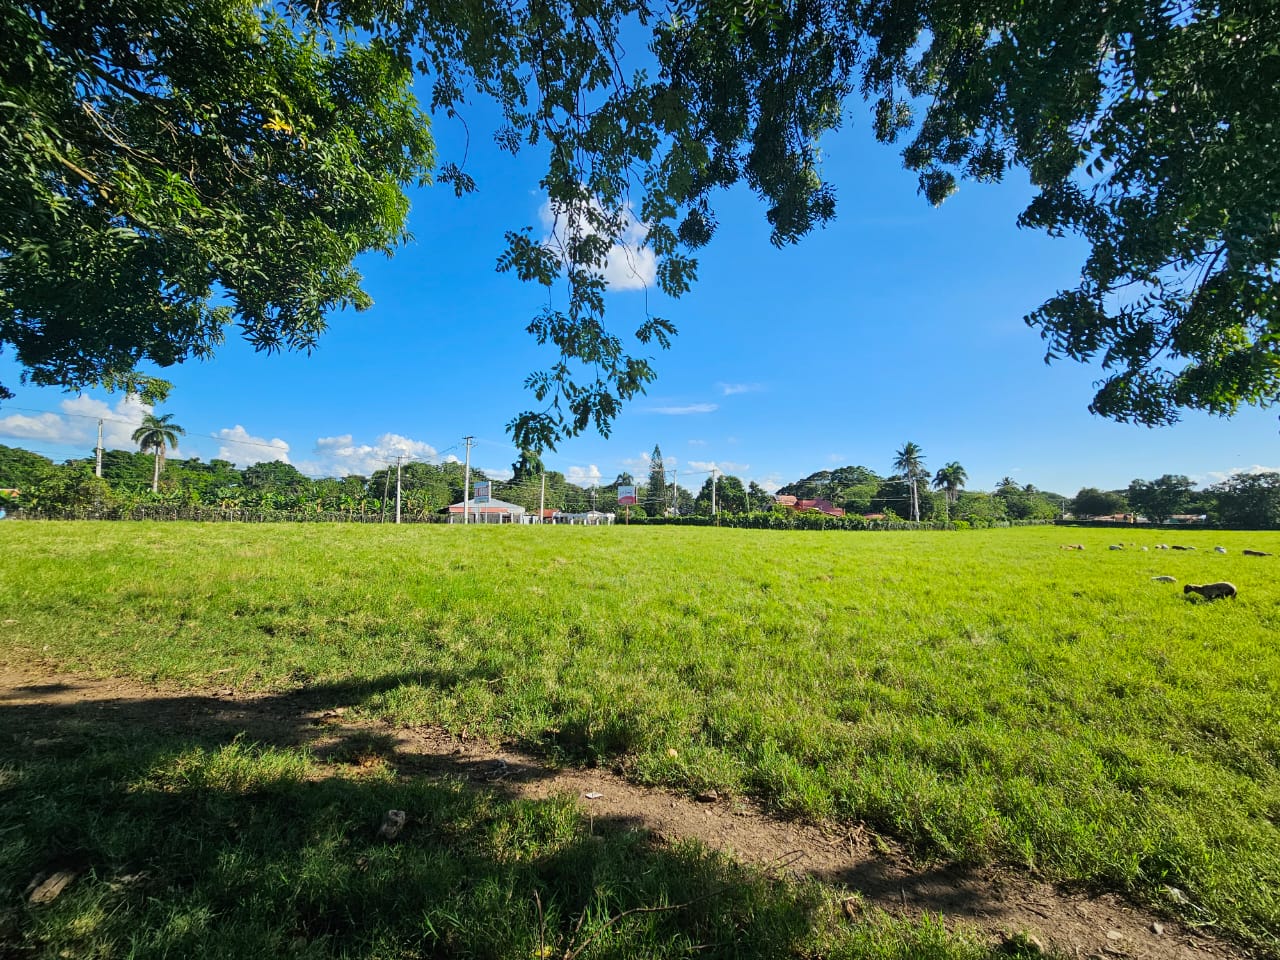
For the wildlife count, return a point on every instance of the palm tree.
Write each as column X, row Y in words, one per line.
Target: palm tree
column 910, row 462
column 951, row 479
column 154, row 434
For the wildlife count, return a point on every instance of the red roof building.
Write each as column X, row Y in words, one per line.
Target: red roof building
column 822, row 506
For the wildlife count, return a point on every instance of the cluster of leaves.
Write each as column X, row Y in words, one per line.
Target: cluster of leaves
column 1145, row 126
column 161, row 156
column 171, row 169
column 1148, row 128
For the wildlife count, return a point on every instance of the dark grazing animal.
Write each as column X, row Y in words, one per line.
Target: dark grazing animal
column 1256, row 553
column 1212, row 591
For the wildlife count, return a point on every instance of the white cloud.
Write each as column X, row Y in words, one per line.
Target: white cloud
column 1221, row 476
column 498, row 473
column 584, row 476
column 243, row 448
column 771, row 483
column 836, row 457
column 77, row 423
column 45, row 426
column 341, row 456
column 722, row 466
column 687, row 409
column 630, row 264
column 697, row 443
column 729, row 389
column 638, row 464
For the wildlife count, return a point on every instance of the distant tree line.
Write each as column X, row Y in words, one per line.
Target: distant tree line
column 1246, row 500
column 146, row 485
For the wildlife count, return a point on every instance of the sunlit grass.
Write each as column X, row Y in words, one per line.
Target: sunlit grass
column 981, row 695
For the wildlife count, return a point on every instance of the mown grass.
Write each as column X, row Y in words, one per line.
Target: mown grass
column 981, row 695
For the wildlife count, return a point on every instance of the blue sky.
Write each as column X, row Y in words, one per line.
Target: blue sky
column 898, row 322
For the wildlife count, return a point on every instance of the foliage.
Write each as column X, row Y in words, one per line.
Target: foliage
column 67, row 487
column 656, row 499
column 1092, row 502
column 1250, row 500
column 979, row 508
column 1160, row 499
column 849, row 487
column 155, row 434
column 730, row 496
column 951, row 480
column 159, row 156
column 20, row 468
column 1028, row 503
column 528, row 466
column 1147, row 130
column 172, row 169
column 910, row 462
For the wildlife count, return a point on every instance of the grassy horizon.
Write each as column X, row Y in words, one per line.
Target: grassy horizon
column 983, row 696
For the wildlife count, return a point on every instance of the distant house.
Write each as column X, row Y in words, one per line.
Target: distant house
column 487, row 511
column 873, row 516
column 822, row 506
column 1189, row 518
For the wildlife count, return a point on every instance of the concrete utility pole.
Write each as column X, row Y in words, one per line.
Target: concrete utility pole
column 466, row 483
column 713, row 491
column 398, row 459
column 675, row 492
column 97, row 470
column 542, row 500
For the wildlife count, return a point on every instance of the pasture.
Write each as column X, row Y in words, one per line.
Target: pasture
column 984, row 696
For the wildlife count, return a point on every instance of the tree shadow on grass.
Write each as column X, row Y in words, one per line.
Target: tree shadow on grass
column 196, row 826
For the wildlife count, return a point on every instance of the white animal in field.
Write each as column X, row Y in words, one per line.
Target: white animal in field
column 1164, row 579
column 1116, row 546
column 1212, row 591
column 1219, row 549
column 1162, row 546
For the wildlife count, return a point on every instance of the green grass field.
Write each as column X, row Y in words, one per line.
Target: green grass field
column 983, row 696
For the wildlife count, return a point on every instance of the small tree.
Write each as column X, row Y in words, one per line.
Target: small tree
column 950, row 479
column 910, row 461
column 155, row 434
column 1160, row 499
column 1092, row 502
column 656, row 494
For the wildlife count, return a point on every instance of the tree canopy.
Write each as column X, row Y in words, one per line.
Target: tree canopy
column 174, row 168
column 163, row 155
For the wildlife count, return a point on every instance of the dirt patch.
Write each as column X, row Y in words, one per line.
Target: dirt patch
column 996, row 902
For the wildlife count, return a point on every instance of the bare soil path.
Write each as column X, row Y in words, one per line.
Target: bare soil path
column 995, row 901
